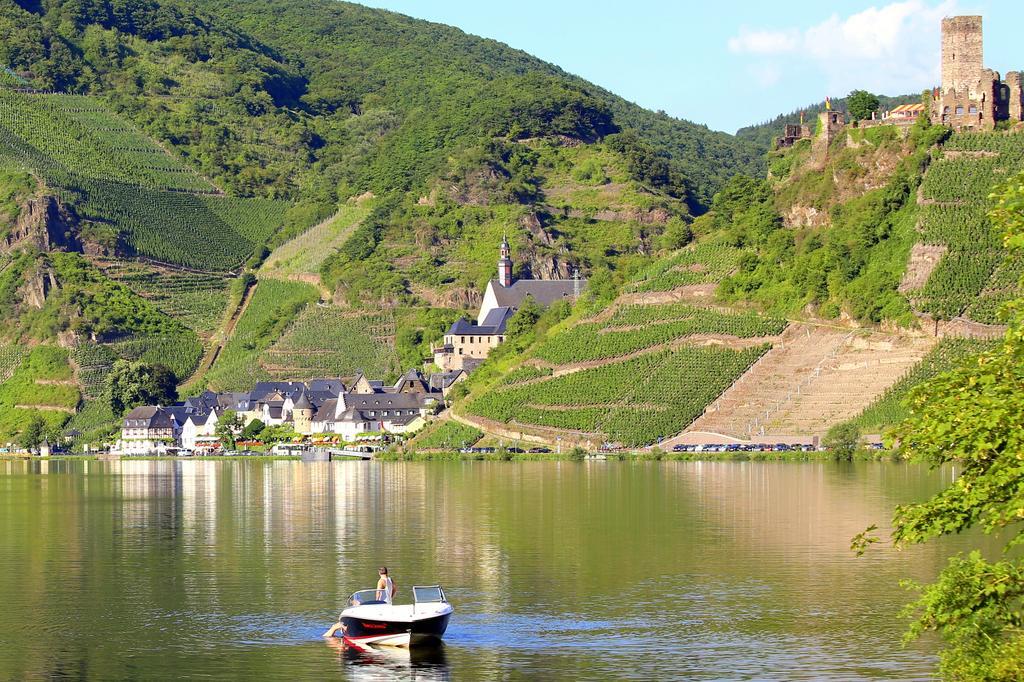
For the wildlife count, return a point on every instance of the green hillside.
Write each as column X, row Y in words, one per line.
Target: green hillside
column 643, row 371
column 119, row 179
column 182, row 151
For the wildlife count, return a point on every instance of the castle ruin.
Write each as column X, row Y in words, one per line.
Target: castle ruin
column 973, row 97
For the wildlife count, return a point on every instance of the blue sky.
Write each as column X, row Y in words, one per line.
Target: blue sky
column 733, row 62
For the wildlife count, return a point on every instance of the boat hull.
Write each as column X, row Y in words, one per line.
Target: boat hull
column 364, row 631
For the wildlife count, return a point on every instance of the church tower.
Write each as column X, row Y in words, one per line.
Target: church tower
column 505, row 264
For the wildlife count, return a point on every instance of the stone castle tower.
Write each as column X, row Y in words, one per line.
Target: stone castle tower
column 302, row 415
column 505, row 264
column 973, row 97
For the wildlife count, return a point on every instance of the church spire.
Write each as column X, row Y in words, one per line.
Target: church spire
column 505, row 263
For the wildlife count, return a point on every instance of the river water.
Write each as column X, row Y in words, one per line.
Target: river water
column 557, row 570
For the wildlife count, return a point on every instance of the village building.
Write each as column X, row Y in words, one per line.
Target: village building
column 148, row 430
column 319, row 407
column 904, row 114
column 467, row 343
column 199, row 430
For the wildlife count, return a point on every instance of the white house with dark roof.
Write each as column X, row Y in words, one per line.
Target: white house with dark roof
column 199, row 430
column 148, row 430
column 467, row 343
column 401, row 408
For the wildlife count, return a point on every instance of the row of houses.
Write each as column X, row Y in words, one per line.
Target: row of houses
column 332, row 407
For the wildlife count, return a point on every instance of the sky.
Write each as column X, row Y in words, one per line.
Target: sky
column 731, row 63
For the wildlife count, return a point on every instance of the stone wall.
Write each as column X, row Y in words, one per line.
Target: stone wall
column 973, row 97
column 962, row 56
column 1015, row 82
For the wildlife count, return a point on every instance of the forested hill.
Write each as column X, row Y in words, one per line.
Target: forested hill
column 320, row 100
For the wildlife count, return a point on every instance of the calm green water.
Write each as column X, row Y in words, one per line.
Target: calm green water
column 557, row 570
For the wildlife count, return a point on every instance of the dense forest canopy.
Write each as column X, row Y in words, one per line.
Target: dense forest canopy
column 320, row 101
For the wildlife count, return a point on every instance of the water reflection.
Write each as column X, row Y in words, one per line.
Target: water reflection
column 388, row 663
column 153, row 569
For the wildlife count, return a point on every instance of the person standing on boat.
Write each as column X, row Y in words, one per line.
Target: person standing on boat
column 385, row 585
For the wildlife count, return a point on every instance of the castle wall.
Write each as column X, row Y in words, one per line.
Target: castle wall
column 972, row 97
column 1015, row 84
column 963, row 56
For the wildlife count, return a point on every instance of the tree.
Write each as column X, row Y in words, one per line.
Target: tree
column 842, row 440
column 32, row 436
column 134, row 383
column 862, row 104
column 228, row 426
column 252, row 430
column 972, row 417
column 523, row 320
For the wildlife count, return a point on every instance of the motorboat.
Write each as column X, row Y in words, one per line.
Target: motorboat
column 372, row 619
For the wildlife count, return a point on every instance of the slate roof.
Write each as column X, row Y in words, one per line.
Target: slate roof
column 326, row 411
column 388, row 401
column 179, row 412
column 200, row 419
column 544, row 291
column 442, row 380
column 286, row 388
column 148, row 417
column 493, row 324
column 335, row 387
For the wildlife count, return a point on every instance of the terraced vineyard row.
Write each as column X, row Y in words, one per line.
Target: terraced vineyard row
column 10, row 359
column 94, row 362
column 329, row 342
column 447, row 435
column 114, row 175
column 82, row 136
column 634, row 402
column 950, row 353
column 205, row 232
column 524, row 374
column 181, row 354
column 197, row 300
column 974, row 277
column 707, row 262
column 635, row 328
column 274, row 306
column 42, row 385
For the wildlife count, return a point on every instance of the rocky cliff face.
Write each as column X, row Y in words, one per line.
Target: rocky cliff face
column 38, row 286
column 45, row 224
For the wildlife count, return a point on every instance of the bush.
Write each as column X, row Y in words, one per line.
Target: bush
column 843, row 440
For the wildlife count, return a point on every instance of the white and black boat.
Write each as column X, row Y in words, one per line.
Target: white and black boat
column 370, row 619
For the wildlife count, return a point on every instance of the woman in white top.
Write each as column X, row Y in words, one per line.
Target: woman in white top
column 385, row 593
column 385, row 586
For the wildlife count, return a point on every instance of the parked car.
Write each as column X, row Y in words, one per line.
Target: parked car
column 539, row 451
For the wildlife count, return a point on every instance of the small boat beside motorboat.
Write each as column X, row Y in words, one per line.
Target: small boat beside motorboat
column 370, row 619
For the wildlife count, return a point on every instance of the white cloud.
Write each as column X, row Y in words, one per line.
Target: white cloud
column 764, row 42
column 765, row 74
column 891, row 49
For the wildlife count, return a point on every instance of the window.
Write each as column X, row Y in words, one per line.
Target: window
column 973, row 109
column 959, row 111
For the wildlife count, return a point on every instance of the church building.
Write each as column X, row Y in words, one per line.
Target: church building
column 467, row 343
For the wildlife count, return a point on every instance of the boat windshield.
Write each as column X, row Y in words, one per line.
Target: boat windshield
column 428, row 594
column 363, row 597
